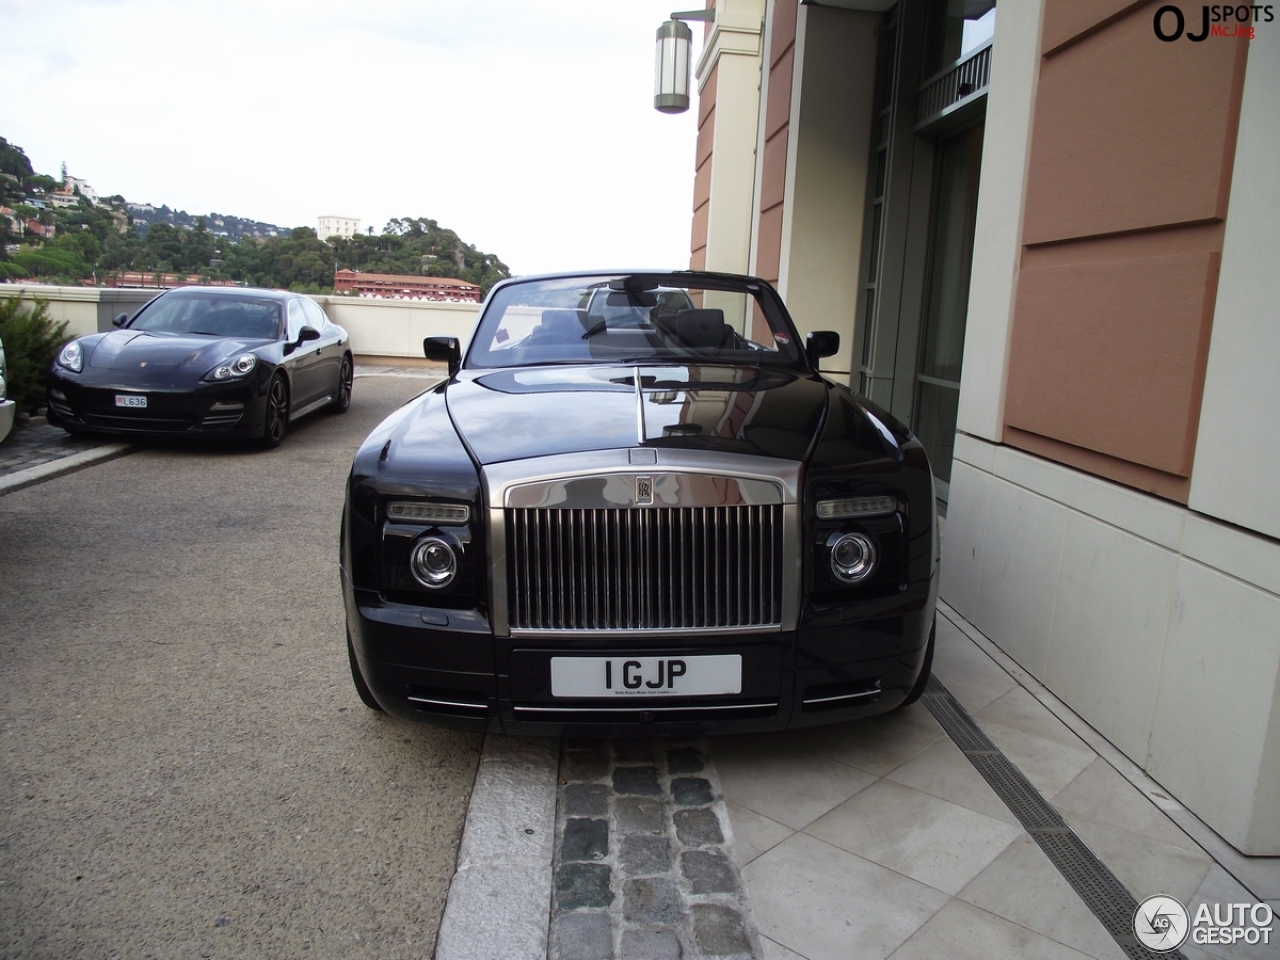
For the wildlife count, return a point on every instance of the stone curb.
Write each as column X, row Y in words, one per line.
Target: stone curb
column 56, row 468
column 500, row 895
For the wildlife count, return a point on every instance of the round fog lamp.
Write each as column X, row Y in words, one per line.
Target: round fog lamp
column 853, row 557
column 433, row 563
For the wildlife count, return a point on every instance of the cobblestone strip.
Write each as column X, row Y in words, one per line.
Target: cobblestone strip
column 644, row 863
column 33, row 442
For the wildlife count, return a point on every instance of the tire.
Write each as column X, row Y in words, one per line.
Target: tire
column 362, row 688
column 917, row 689
column 342, row 402
column 276, row 419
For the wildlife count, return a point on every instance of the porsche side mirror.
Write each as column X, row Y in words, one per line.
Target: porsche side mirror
column 120, row 320
column 821, row 343
column 307, row 333
column 443, row 350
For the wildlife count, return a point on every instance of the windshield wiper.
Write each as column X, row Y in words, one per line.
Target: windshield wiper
column 598, row 327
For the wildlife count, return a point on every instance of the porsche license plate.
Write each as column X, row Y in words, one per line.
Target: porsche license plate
column 130, row 400
column 601, row 677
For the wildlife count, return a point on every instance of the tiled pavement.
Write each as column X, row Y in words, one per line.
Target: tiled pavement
column 879, row 839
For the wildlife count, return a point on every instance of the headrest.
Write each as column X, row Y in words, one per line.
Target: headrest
column 567, row 323
column 701, row 328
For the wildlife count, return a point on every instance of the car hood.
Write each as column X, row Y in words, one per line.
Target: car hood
column 160, row 353
column 520, row 413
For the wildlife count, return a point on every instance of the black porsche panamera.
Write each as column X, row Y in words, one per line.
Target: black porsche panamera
column 205, row 361
column 636, row 507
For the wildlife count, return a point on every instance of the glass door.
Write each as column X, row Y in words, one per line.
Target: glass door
column 955, row 205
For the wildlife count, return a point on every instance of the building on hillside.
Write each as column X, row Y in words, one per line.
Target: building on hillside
column 1046, row 232
column 343, row 227
column 61, row 199
column 71, row 184
column 162, row 281
column 404, row 286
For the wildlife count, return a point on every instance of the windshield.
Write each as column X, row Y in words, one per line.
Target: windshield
column 635, row 318
column 216, row 316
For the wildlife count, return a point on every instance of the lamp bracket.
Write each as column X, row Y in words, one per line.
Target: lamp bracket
column 706, row 16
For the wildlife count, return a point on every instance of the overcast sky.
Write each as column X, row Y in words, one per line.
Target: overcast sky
column 527, row 126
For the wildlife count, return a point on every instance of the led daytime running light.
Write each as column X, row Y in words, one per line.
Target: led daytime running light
column 856, row 507
column 429, row 512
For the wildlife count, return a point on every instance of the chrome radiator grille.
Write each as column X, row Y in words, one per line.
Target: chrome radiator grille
column 650, row 568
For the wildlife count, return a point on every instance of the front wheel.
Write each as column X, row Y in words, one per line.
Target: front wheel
column 917, row 690
column 276, row 418
column 342, row 399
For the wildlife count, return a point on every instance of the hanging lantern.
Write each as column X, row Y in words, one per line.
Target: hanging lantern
column 671, row 68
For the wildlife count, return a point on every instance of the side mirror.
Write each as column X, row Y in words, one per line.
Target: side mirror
column 821, row 343
column 443, row 350
column 307, row 333
column 120, row 320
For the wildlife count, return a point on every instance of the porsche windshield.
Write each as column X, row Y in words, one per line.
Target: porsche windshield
column 216, row 316
column 635, row 318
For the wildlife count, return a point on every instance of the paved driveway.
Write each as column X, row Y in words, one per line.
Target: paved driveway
column 185, row 769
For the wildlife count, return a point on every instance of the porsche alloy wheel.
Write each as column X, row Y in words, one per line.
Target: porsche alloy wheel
column 342, row 402
column 277, row 415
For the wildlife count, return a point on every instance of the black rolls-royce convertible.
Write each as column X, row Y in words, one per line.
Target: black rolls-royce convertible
column 204, row 362
column 634, row 507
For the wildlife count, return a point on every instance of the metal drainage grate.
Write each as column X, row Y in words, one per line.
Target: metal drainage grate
column 1102, row 893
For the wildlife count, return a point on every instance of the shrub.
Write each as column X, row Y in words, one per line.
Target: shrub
column 31, row 341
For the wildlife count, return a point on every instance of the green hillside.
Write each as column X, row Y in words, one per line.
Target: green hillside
column 90, row 242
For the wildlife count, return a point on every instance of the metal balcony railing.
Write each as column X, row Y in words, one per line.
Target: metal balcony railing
column 962, row 82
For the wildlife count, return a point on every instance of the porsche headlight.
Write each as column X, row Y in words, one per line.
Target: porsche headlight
column 72, row 357
column 238, row 367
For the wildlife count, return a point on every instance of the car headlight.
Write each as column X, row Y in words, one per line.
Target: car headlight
column 853, row 556
column 236, row 368
column 428, row 512
column 856, row 507
column 433, row 563
column 72, row 357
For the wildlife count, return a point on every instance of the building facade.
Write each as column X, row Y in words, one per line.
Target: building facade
column 343, row 227
column 404, row 286
column 1048, row 232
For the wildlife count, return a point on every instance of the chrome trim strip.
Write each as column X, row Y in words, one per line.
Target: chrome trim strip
column 551, row 633
column 483, row 707
column 847, row 696
column 314, row 405
column 620, row 491
column 640, row 437
column 792, row 581
column 498, row 611
column 498, row 478
column 728, row 706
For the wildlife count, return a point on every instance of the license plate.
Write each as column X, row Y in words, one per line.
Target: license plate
column 646, row 676
column 129, row 400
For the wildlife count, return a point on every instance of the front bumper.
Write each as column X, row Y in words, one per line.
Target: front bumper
column 837, row 665
column 230, row 409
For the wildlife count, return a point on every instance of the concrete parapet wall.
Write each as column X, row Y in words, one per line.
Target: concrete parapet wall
column 378, row 328
column 396, row 328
